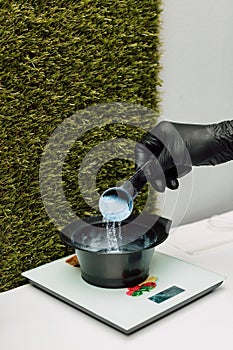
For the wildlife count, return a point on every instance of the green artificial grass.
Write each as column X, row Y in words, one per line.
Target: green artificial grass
column 58, row 57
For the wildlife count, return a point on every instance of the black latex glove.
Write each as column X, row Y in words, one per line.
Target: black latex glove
column 174, row 148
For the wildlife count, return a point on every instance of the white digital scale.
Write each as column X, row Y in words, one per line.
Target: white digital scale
column 178, row 283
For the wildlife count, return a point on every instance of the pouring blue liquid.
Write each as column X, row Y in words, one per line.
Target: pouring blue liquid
column 116, row 203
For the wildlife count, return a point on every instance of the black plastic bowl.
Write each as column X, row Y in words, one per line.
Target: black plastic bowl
column 129, row 266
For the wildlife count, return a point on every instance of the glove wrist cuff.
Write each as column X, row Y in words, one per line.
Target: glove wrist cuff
column 223, row 134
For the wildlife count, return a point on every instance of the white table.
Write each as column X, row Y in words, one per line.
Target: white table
column 31, row 319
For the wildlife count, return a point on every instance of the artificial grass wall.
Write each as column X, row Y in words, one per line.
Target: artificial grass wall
column 58, row 57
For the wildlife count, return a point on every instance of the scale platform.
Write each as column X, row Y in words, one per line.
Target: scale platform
column 178, row 283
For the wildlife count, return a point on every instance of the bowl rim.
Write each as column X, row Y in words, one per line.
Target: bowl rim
column 162, row 226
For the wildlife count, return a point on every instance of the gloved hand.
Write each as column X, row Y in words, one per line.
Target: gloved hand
column 174, row 148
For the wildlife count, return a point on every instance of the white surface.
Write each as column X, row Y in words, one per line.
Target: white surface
column 113, row 305
column 32, row 320
column 198, row 88
column 218, row 230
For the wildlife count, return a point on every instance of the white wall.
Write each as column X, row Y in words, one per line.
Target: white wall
column 198, row 88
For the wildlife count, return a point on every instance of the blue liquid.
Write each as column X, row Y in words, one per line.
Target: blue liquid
column 114, row 208
column 110, row 240
column 113, row 236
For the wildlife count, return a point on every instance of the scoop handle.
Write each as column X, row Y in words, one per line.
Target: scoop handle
column 135, row 183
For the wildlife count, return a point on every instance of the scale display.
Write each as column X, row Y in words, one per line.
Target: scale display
column 177, row 284
column 166, row 294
